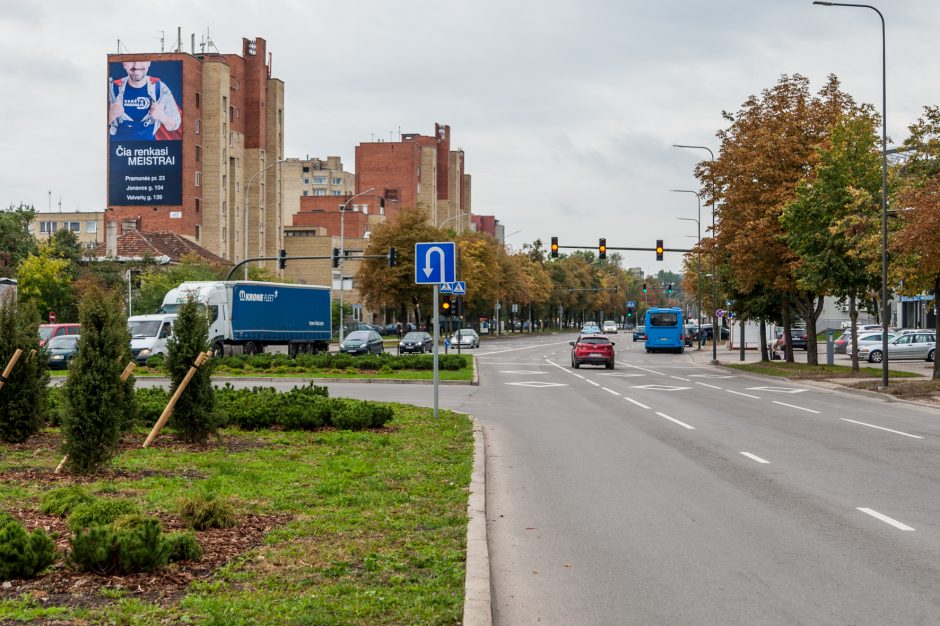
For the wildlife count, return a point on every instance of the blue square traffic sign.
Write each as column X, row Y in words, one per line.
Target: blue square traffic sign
column 435, row 263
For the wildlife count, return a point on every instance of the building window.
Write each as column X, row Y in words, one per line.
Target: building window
column 231, row 139
column 198, row 100
column 365, row 209
column 319, row 192
column 198, row 179
column 306, row 192
column 198, row 126
column 319, row 180
column 198, row 204
column 337, row 192
column 224, row 206
column 91, row 227
column 75, row 227
column 48, row 227
column 223, row 234
column 391, row 194
column 337, row 180
column 198, row 154
column 198, row 232
column 231, row 114
column 306, row 169
column 306, row 181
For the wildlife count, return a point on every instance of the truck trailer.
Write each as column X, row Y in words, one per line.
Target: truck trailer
column 247, row 316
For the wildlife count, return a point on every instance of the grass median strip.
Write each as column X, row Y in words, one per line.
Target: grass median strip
column 369, row 526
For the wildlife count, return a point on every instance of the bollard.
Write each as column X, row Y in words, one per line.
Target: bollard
column 830, row 347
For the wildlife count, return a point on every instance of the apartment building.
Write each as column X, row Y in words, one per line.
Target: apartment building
column 205, row 167
column 88, row 226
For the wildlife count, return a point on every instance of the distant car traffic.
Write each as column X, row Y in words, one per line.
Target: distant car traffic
column 362, row 342
column 48, row 331
column 639, row 333
column 797, row 334
column 466, row 338
column 610, row 326
column 416, row 342
column 920, row 345
column 592, row 349
column 62, row 350
column 843, row 343
column 590, row 329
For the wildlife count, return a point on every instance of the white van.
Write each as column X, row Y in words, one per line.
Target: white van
column 149, row 334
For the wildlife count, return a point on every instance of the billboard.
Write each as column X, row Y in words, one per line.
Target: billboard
column 145, row 135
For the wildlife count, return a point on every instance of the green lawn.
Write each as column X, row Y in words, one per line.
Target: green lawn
column 374, row 530
column 806, row 371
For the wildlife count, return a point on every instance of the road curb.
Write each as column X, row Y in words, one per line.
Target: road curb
column 477, row 606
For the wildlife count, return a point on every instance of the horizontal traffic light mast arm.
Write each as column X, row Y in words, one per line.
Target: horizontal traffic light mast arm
column 299, row 258
column 624, row 248
column 590, row 289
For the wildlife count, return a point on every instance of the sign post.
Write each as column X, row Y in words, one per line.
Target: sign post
column 435, row 263
column 52, row 317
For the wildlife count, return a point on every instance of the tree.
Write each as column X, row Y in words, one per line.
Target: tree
column 158, row 280
column 16, row 242
column 64, row 244
column 194, row 414
column 97, row 406
column 23, row 396
column 47, row 281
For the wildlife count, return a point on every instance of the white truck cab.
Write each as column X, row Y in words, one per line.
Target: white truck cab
column 149, row 334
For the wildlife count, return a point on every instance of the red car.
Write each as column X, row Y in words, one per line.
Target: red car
column 593, row 349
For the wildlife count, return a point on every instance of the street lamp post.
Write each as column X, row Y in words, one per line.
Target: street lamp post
column 714, row 271
column 450, row 219
column 885, row 309
column 698, row 223
column 247, row 196
column 342, row 253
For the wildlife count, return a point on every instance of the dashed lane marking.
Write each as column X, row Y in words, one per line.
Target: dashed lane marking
column 538, row 384
column 793, row 406
column 754, row 457
column 746, row 395
column 660, row 387
column 672, row 419
column 896, row 432
column 884, row 518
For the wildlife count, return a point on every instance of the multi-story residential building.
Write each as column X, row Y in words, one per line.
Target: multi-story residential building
column 312, row 179
column 88, row 226
column 205, row 167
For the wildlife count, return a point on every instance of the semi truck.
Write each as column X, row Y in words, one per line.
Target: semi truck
column 245, row 317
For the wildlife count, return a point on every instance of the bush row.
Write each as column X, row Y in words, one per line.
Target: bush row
column 331, row 361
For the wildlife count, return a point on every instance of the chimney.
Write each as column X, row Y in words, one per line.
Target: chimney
column 111, row 245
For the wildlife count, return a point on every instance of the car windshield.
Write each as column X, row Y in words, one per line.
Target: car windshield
column 144, row 328
column 465, row 332
column 414, row 337
column 63, row 341
column 357, row 335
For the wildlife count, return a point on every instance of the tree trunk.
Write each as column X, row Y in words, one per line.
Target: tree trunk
column 853, row 331
column 764, row 355
column 812, row 348
column 936, row 317
column 787, row 338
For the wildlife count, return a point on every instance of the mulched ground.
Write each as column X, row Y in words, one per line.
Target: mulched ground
column 61, row 586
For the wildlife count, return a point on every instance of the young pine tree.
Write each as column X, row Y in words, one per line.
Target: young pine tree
column 96, row 401
column 23, row 395
column 194, row 414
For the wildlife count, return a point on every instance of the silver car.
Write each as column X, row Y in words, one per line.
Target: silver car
column 466, row 337
column 921, row 345
column 843, row 345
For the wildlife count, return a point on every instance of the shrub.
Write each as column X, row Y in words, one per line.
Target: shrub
column 381, row 414
column 151, row 401
column 350, row 414
column 23, row 400
column 206, row 510
column 306, row 414
column 99, row 512
column 64, row 500
column 193, row 416
column 142, row 547
column 183, row 547
column 157, row 362
column 54, row 406
column 94, row 549
column 22, row 554
column 98, row 404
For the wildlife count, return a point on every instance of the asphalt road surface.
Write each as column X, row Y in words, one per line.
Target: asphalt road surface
column 672, row 492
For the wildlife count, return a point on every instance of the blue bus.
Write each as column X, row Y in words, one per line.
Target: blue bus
column 665, row 330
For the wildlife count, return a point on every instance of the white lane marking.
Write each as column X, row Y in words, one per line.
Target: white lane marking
column 685, row 380
column 538, row 384
column 672, row 419
column 592, row 382
column 639, row 404
column 521, row 372
column 710, row 376
column 578, row 375
column 896, row 432
column 746, row 395
column 610, row 391
column 777, row 389
column 642, row 369
column 707, row 385
column 624, row 375
column 884, row 518
column 754, row 457
column 660, row 387
column 541, row 345
column 793, row 406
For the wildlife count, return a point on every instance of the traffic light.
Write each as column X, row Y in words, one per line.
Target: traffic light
column 602, row 248
column 659, row 249
column 669, row 289
column 392, row 257
column 446, row 306
column 282, row 259
column 335, row 257
column 644, row 287
column 554, row 250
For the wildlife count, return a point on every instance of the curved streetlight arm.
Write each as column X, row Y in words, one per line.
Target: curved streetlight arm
column 342, row 252
column 247, row 197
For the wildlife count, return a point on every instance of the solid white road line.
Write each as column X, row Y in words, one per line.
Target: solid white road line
column 793, row 406
column 643, row 369
column 592, row 382
column 672, row 419
column 578, row 375
column 610, row 391
column 746, row 395
column 682, row 379
column 754, row 457
column 885, row 519
column 707, row 385
column 896, row 432
column 639, row 404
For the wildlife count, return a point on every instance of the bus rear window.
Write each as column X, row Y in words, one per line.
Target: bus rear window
column 663, row 319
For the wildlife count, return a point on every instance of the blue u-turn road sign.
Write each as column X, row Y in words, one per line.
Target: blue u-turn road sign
column 435, row 262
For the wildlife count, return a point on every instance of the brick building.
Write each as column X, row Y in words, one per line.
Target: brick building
column 88, row 226
column 230, row 138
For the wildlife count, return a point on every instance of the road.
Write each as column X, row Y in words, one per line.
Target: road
column 668, row 491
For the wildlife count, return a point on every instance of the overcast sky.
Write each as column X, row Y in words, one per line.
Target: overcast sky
column 566, row 112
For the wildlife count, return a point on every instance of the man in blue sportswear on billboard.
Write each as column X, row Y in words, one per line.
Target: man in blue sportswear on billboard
column 141, row 107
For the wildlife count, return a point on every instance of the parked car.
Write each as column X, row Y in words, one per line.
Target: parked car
column 639, row 333
column 843, row 343
column 48, row 331
column 466, row 338
column 362, row 342
column 709, row 333
column 416, row 342
column 610, row 326
column 920, row 345
column 797, row 334
column 62, row 349
column 592, row 349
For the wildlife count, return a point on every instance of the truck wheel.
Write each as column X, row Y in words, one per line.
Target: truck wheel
column 218, row 349
column 251, row 348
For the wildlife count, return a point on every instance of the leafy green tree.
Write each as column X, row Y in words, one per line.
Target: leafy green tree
column 23, row 396
column 64, row 244
column 193, row 416
column 96, row 403
column 16, row 242
column 47, row 281
column 158, row 280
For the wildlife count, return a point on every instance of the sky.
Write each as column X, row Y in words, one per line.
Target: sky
column 566, row 112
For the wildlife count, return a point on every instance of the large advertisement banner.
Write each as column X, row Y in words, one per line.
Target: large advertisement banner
column 145, row 146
